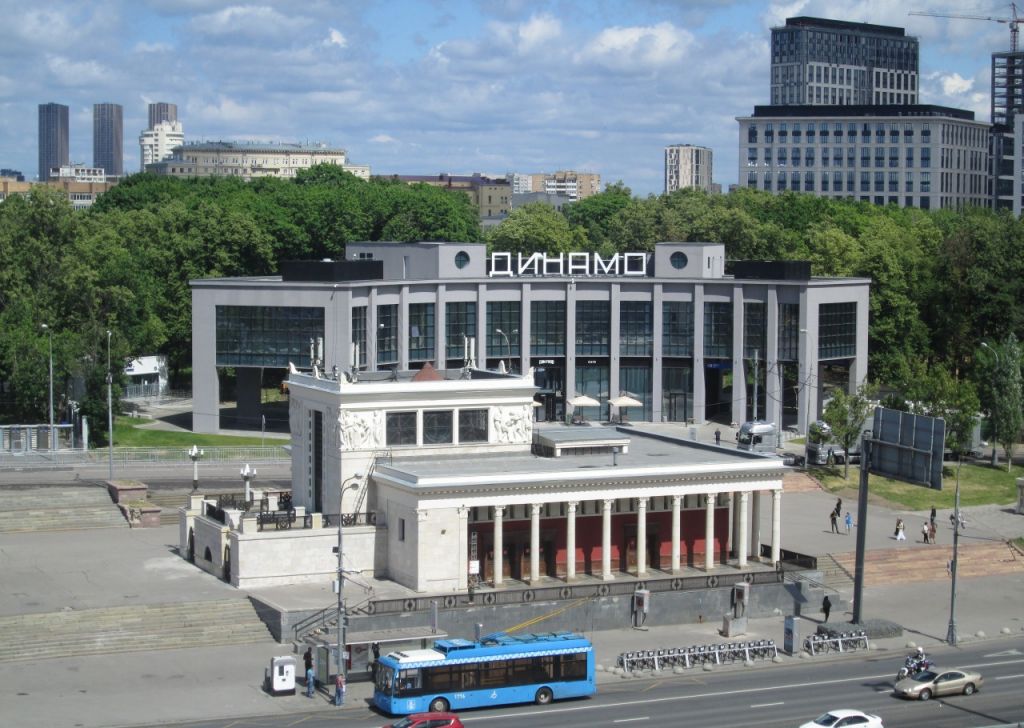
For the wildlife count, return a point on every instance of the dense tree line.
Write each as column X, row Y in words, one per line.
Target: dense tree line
column 942, row 282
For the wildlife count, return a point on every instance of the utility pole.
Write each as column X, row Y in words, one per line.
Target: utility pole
column 951, row 633
column 110, row 412
column 756, row 377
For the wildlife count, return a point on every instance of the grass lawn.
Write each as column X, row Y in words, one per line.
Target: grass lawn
column 979, row 485
column 129, row 433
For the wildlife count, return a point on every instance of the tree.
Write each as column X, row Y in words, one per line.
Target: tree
column 935, row 392
column 1002, row 393
column 535, row 228
column 845, row 414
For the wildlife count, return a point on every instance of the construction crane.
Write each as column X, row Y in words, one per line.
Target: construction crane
column 1011, row 22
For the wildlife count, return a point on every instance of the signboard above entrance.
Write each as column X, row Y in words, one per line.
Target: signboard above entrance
column 505, row 265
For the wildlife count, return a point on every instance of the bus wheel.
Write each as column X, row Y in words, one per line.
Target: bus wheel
column 439, row 705
column 543, row 696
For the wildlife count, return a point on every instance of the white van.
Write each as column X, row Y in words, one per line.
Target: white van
column 757, row 436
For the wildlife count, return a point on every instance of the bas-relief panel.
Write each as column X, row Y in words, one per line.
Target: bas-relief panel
column 512, row 425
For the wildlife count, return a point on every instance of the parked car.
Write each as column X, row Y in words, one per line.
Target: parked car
column 428, row 720
column 845, row 719
column 929, row 683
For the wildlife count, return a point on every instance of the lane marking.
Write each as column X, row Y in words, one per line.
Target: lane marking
column 1005, row 653
column 657, row 683
column 1008, row 677
column 630, row 720
column 768, row 705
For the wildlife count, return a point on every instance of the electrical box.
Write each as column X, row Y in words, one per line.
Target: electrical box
column 281, row 676
column 642, row 600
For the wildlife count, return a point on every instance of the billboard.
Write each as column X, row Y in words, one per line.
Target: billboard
column 908, row 447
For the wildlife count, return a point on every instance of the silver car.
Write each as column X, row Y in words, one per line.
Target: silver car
column 928, row 683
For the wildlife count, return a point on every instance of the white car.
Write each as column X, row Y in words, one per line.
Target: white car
column 845, row 719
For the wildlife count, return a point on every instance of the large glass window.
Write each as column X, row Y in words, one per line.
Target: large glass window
column 789, row 331
column 473, row 425
column 636, row 323
column 592, row 380
column 401, row 428
column 503, row 316
column 593, row 328
column 421, row 332
column 755, row 330
column 459, row 324
column 636, row 382
column 718, row 330
column 359, row 332
column 387, row 334
column 267, row 335
column 837, row 330
column 677, row 328
column 547, row 328
column 677, row 393
column 437, row 427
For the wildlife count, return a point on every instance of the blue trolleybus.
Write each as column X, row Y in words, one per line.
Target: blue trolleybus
column 498, row 669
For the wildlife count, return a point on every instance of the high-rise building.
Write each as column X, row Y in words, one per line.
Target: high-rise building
column 1007, row 120
column 108, row 138
column 54, row 150
column 687, row 166
column 159, row 142
column 816, row 61
column 162, row 111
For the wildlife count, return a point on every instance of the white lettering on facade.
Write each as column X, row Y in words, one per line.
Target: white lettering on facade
column 568, row 264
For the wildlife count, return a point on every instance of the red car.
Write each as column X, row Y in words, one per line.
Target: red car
column 428, row 720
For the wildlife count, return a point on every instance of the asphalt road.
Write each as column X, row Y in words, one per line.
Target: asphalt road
column 769, row 696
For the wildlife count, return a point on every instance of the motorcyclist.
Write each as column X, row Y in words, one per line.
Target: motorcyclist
column 917, row 660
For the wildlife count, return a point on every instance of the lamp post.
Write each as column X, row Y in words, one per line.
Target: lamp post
column 342, row 627
column 807, row 388
column 195, row 453
column 248, row 475
column 110, row 413
column 49, row 331
column 508, row 345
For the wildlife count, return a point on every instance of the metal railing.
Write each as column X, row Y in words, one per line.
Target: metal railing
column 347, row 519
column 819, row 643
column 716, row 654
column 143, row 457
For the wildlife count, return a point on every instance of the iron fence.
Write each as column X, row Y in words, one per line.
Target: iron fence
column 143, row 456
column 686, row 657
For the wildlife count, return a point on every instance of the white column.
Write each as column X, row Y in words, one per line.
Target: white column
column 499, row 545
column 463, row 547
column 742, row 546
column 709, row 532
column 676, row 499
column 606, row 540
column 776, row 526
column 755, row 526
column 641, row 536
column 535, row 542
column 570, row 541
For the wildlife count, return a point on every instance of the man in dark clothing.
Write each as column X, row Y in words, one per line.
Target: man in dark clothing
column 826, row 606
column 933, row 516
column 718, row 437
column 834, row 518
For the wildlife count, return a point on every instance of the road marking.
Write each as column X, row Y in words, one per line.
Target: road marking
column 1005, row 653
column 1008, row 677
column 657, row 683
column 630, row 720
column 767, row 705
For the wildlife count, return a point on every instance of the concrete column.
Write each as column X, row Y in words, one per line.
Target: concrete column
column 535, row 542
column 755, row 526
column 676, row 500
column 606, row 539
column 734, row 519
column 743, row 546
column 709, row 532
column 776, row 526
column 570, row 541
column 499, row 544
column 641, row 536
column 698, row 354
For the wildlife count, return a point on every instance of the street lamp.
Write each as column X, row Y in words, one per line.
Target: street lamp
column 342, row 628
column 508, row 345
column 248, row 475
column 110, row 413
column 195, row 453
column 49, row 331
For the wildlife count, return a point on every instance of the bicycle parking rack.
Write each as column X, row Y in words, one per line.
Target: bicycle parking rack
column 836, row 642
column 686, row 657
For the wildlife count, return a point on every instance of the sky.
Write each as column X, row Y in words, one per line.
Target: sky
column 458, row 86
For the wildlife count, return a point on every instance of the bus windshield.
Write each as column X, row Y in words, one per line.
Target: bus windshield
column 385, row 678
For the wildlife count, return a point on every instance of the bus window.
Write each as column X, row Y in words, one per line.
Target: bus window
column 469, row 677
column 493, row 674
column 408, row 682
column 574, row 667
column 385, row 676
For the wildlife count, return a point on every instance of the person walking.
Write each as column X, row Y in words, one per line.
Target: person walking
column 925, row 532
column 900, row 528
column 839, row 506
column 718, row 437
column 307, row 659
column 834, row 519
column 931, row 531
column 826, row 606
column 849, row 522
column 931, row 518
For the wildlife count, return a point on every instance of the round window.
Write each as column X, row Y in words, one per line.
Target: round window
column 461, row 259
column 678, row 260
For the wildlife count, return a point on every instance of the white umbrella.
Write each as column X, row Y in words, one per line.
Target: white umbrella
column 582, row 400
column 624, row 400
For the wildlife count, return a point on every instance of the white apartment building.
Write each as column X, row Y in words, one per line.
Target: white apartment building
column 251, row 160
column 931, row 157
column 569, row 183
column 159, row 142
column 79, row 173
column 687, row 166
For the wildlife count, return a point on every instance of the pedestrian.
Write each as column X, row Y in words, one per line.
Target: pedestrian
column 900, row 528
column 826, row 606
column 931, row 532
column 849, row 522
column 718, row 437
column 931, row 519
column 925, row 532
column 835, row 521
column 839, row 506
column 339, row 689
column 307, row 659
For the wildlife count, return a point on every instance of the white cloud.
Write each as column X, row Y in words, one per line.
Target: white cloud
column 335, row 37
column 72, row 71
column 537, row 31
column 637, row 48
column 383, row 139
column 249, row 21
column 144, row 47
column 955, row 84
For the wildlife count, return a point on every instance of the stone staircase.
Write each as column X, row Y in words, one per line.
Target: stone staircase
column 59, row 509
column 797, row 481
column 135, row 628
column 169, row 502
column 925, row 563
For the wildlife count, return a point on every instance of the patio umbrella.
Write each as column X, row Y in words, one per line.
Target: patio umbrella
column 622, row 402
column 582, row 400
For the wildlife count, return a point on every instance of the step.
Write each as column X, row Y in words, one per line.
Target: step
column 929, row 563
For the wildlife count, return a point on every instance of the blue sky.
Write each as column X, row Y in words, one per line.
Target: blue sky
column 460, row 86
